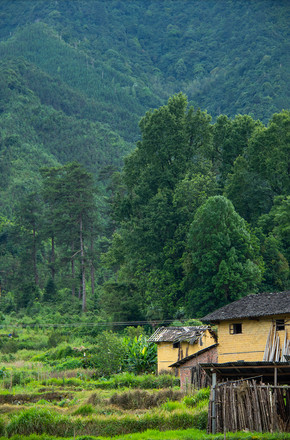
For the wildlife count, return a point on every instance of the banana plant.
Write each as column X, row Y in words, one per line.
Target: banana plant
column 141, row 356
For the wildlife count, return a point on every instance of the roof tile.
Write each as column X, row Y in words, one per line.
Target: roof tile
column 253, row 306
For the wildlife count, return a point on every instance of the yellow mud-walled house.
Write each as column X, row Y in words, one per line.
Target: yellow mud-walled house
column 176, row 343
column 255, row 328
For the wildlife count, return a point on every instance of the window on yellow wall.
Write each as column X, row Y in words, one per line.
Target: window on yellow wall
column 235, row 329
column 280, row 324
column 176, row 344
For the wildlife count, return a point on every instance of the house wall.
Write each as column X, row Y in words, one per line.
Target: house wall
column 185, row 370
column 167, row 355
column 248, row 346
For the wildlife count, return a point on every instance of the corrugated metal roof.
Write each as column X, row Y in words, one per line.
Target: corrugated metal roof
column 178, row 334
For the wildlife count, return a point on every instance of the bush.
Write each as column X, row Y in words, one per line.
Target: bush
column 140, row 399
column 18, row 377
column 33, row 420
column 84, row 410
column 69, row 364
column 54, row 339
column 62, row 353
column 201, row 395
column 172, row 406
column 9, row 346
column 108, row 357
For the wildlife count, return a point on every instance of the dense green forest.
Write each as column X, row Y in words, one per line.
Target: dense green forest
column 123, row 199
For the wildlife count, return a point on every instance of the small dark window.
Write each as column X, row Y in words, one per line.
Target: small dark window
column 280, row 324
column 235, row 329
column 176, row 344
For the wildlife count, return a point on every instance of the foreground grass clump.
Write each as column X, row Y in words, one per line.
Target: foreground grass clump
column 141, row 399
column 188, row 434
column 200, row 398
column 42, row 420
column 84, row 410
column 34, row 420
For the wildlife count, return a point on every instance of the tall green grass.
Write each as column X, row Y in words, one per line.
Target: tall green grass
column 188, row 434
column 200, row 397
column 146, row 381
column 33, row 420
column 44, row 421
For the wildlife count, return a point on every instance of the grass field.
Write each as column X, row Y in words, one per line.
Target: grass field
column 44, row 396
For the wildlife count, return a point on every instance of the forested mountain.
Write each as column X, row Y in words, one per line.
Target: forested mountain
column 110, row 61
column 76, row 77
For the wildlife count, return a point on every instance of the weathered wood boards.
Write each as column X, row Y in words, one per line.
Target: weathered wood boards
column 245, row 405
column 273, row 352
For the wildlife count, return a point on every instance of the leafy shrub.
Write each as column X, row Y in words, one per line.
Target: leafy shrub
column 51, row 356
column 172, row 406
column 201, row 395
column 9, row 346
column 54, row 339
column 69, row 364
column 63, row 352
column 133, row 332
column 18, row 377
column 84, row 410
column 36, row 343
column 108, row 357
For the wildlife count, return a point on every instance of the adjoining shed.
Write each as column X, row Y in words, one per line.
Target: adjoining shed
column 176, row 343
column 190, row 372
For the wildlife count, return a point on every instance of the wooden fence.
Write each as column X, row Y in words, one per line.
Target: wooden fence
column 248, row 405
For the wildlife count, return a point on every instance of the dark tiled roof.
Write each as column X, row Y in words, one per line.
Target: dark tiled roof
column 253, row 306
column 177, row 334
column 192, row 356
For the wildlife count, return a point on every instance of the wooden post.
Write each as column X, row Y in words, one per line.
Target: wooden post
column 213, row 414
column 275, row 376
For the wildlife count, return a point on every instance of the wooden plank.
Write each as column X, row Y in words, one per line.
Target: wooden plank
column 277, row 355
column 284, row 349
column 250, row 411
column 257, row 408
column 262, row 408
column 266, row 352
column 272, row 353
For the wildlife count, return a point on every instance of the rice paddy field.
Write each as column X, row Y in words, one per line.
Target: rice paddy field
column 45, row 394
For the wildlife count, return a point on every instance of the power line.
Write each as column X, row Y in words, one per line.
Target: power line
column 90, row 324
